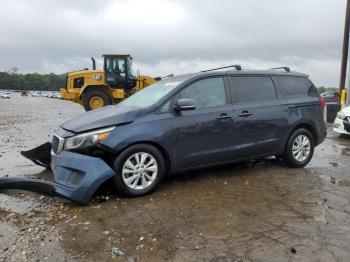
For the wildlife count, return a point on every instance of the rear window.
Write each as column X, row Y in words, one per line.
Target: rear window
column 252, row 88
column 296, row 86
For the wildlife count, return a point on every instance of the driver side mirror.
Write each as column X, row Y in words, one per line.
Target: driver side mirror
column 184, row 104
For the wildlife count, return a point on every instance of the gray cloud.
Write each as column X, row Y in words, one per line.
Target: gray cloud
column 174, row 36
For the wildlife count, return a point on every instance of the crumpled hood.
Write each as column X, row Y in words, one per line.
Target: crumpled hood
column 100, row 118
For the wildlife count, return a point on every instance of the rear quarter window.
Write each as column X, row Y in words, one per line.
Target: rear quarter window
column 296, row 86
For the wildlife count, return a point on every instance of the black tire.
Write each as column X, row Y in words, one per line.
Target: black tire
column 122, row 158
column 93, row 93
column 288, row 156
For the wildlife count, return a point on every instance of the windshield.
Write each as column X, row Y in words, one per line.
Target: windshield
column 151, row 94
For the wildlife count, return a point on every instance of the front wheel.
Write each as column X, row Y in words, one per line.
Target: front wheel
column 139, row 170
column 96, row 98
column 300, row 148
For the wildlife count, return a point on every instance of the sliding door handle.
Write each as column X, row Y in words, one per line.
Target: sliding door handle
column 245, row 114
column 223, row 117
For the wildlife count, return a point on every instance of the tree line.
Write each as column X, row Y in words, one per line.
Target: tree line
column 35, row 81
column 322, row 89
column 53, row 82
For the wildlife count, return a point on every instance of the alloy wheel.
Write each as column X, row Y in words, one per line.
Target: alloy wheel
column 301, row 148
column 140, row 170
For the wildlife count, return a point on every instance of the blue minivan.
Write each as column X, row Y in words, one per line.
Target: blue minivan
column 188, row 122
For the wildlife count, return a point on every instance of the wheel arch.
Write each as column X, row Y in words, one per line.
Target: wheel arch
column 87, row 88
column 308, row 127
column 161, row 148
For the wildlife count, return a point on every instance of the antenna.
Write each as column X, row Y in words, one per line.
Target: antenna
column 237, row 67
column 285, row 68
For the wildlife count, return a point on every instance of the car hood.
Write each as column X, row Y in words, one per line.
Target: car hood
column 100, row 118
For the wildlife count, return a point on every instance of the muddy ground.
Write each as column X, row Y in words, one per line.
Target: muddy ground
column 253, row 211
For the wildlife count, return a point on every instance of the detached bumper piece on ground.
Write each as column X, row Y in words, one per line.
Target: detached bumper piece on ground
column 76, row 176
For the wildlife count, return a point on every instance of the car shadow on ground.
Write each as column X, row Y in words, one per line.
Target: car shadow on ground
column 224, row 171
column 228, row 170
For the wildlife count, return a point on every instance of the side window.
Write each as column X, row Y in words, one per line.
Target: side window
column 78, row 82
column 164, row 108
column 206, row 93
column 121, row 67
column 252, row 88
column 296, row 86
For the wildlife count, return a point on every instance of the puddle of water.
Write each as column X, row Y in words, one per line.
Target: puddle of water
column 345, row 151
column 14, row 204
column 322, row 217
column 330, row 179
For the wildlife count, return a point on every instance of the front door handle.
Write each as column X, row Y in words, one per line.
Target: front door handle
column 245, row 114
column 223, row 116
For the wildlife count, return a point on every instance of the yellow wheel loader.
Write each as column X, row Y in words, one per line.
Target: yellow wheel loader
column 98, row 88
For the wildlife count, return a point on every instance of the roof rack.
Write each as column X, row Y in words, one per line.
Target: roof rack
column 285, row 68
column 237, row 67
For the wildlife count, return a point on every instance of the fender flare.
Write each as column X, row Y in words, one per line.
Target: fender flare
column 107, row 88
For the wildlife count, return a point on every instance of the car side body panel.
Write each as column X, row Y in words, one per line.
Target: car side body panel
column 151, row 128
column 304, row 110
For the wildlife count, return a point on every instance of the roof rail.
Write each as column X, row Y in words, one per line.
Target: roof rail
column 237, row 67
column 285, row 68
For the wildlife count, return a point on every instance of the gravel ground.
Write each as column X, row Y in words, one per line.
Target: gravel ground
column 252, row 211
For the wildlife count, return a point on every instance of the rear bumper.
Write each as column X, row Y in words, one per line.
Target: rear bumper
column 76, row 177
column 321, row 134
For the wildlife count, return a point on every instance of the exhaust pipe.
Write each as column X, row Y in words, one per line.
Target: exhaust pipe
column 93, row 63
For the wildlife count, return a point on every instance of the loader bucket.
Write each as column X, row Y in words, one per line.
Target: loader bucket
column 40, row 155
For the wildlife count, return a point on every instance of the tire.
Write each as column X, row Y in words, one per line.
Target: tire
column 123, row 170
column 301, row 155
column 96, row 94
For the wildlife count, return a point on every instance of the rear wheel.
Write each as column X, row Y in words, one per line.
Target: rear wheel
column 139, row 170
column 96, row 98
column 300, row 148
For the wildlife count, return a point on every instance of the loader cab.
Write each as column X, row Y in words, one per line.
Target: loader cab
column 118, row 70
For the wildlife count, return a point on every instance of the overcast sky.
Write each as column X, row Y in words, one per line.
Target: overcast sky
column 168, row 36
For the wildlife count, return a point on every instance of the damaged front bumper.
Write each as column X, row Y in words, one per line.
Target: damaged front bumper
column 76, row 177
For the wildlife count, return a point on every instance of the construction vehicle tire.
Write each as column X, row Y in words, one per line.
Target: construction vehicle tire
column 96, row 98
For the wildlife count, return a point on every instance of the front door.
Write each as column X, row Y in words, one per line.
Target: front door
column 202, row 136
column 115, row 68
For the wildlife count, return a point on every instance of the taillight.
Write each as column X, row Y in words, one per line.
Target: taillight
column 323, row 102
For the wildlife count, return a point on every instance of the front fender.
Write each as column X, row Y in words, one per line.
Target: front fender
column 87, row 86
column 156, row 131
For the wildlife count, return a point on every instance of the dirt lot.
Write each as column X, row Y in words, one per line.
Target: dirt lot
column 253, row 211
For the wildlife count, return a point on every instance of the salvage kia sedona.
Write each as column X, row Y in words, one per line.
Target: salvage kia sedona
column 182, row 123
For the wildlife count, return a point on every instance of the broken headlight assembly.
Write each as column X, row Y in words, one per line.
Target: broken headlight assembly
column 86, row 140
column 341, row 115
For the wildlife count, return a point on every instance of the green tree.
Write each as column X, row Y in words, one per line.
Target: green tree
column 14, row 81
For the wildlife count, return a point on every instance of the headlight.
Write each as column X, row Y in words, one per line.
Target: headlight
column 341, row 115
column 87, row 139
